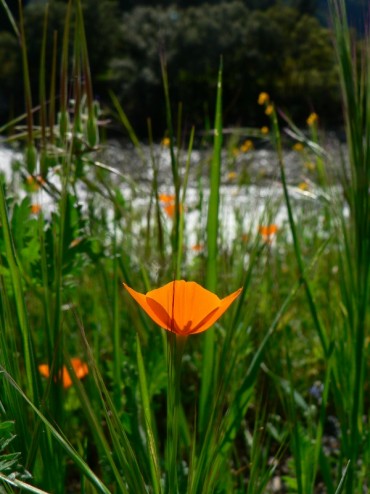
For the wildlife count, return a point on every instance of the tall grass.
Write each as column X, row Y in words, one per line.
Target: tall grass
column 273, row 398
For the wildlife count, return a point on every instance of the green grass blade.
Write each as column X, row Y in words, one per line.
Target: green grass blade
column 175, row 235
column 340, row 487
column 297, row 249
column 76, row 458
column 208, row 367
column 122, row 446
column 183, row 201
column 16, row 278
column 10, row 17
column 21, row 485
column 152, row 447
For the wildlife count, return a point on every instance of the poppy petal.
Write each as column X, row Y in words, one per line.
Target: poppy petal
column 159, row 318
column 67, row 381
column 44, row 370
column 80, row 367
column 212, row 318
column 185, row 304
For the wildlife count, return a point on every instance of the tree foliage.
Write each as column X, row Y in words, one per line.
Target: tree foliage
column 279, row 49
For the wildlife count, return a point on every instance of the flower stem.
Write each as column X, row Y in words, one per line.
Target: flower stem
column 176, row 346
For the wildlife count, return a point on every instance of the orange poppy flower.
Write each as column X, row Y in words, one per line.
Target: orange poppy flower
column 166, row 198
column 197, row 247
column 35, row 208
column 80, row 368
column 170, row 210
column 183, row 307
column 268, row 231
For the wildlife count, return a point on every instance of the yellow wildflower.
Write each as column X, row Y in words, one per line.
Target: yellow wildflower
column 303, row 186
column 166, row 142
column 298, row 146
column 246, row 146
column 312, row 118
column 263, row 98
column 269, row 109
column 232, row 175
column 310, row 166
column 265, row 130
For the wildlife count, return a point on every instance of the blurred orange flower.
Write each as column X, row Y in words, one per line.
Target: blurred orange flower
column 197, row 247
column 183, row 307
column 265, row 130
column 166, row 198
column 268, row 231
column 80, row 368
column 168, row 201
column 170, row 209
column 35, row 208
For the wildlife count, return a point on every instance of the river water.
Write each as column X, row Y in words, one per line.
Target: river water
column 250, row 193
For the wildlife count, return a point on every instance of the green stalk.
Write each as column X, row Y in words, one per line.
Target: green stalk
column 17, row 283
column 31, row 154
column 297, row 249
column 92, row 133
column 160, row 241
column 10, row 17
column 322, row 415
column 208, row 367
column 21, row 485
column 116, row 327
column 182, row 203
column 152, row 447
column 63, row 116
column 126, row 123
column 176, row 346
column 52, row 88
column 175, row 172
column 355, row 85
column 42, row 96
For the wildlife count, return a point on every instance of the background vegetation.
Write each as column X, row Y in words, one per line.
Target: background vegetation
column 282, row 47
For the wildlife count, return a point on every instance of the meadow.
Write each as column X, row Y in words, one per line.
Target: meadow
column 251, row 376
